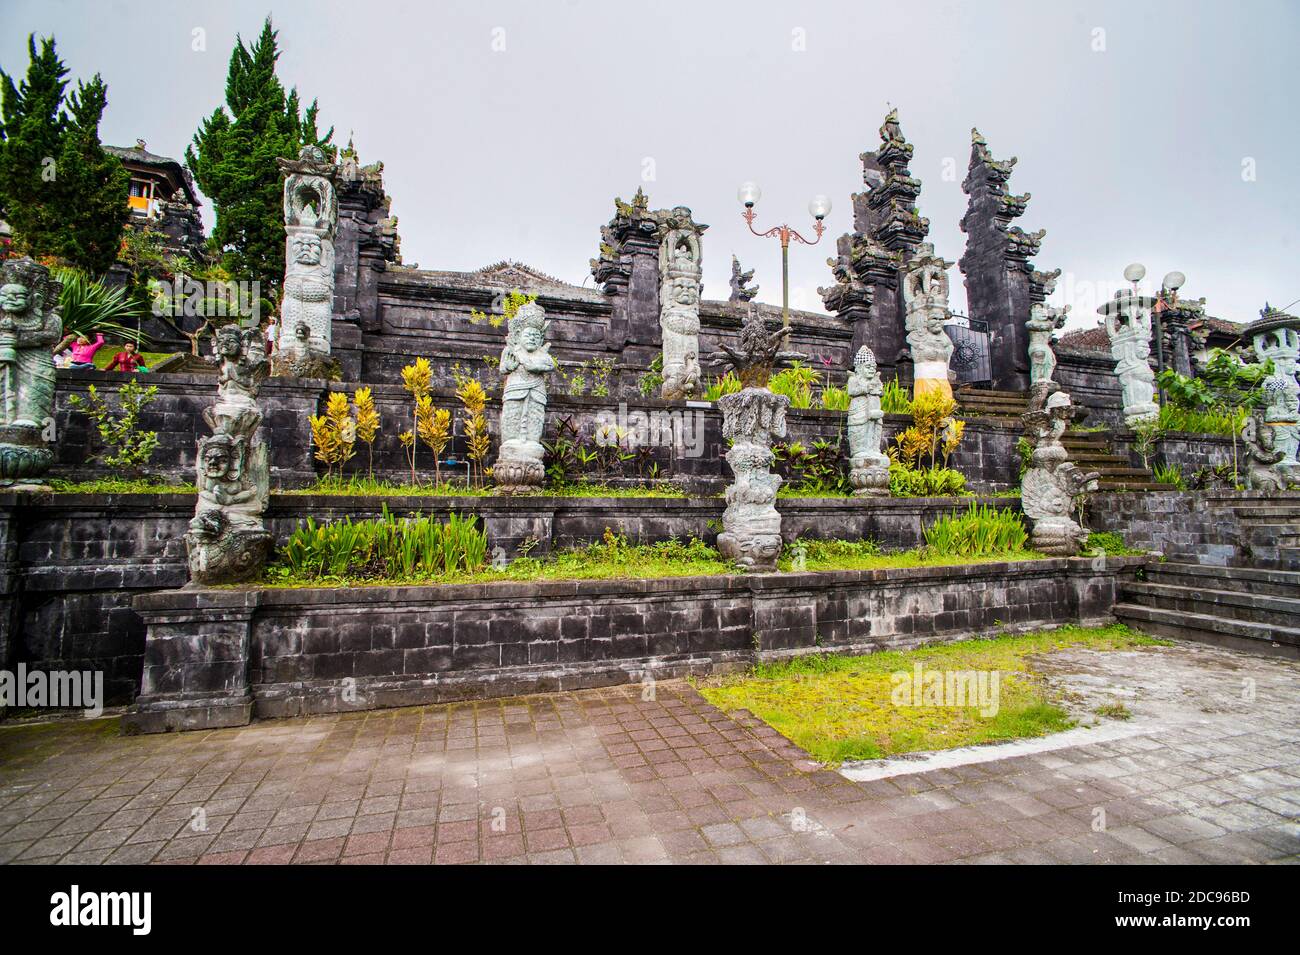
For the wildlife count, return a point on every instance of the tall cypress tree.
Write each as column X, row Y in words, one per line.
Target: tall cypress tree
column 62, row 194
column 233, row 159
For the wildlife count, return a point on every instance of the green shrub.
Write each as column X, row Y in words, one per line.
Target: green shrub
column 796, row 383
column 894, row 399
column 89, row 307
column 124, row 444
column 925, row 482
column 1225, row 422
column 726, row 385
column 981, row 531
column 1170, row 474
column 1110, row 544
column 386, row 547
column 834, row 398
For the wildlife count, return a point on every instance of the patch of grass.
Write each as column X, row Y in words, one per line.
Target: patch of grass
column 1114, row 711
column 119, row 486
column 842, row 707
column 106, row 353
column 1110, row 544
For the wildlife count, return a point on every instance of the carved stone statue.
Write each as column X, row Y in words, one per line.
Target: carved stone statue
column 741, row 290
column 305, row 356
column 30, row 326
column 227, row 542
column 680, row 268
column 751, row 418
column 925, row 293
column 311, row 215
column 525, row 362
column 1264, row 460
column 1128, row 323
column 868, row 467
column 1043, row 322
column 1049, row 489
column 1276, row 338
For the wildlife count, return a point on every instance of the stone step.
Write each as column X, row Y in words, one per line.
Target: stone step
column 1234, row 634
column 967, row 390
column 1123, row 470
column 1231, row 604
column 1250, row 580
column 1117, row 484
column 1271, row 557
column 1286, row 512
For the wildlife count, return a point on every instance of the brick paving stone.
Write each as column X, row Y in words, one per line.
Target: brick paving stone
column 604, row 777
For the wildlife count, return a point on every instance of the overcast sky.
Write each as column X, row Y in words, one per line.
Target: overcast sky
column 1164, row 133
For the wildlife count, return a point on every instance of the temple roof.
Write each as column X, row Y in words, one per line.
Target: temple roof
column 511, row 273
column 142, row 157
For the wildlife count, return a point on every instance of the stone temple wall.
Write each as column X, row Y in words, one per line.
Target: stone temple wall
column 294, row 652
column 76, row 560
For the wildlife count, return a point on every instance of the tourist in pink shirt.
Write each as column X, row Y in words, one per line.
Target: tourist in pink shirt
column 83, row 349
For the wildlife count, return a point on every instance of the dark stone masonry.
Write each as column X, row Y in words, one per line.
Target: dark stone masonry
column 219, row 657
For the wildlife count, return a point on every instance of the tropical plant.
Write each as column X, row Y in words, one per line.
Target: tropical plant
column 385, row 547
column 470, row 393
column 512, row 303
column 89, row 307
column 124, row 444
column 816, row 469
column 981, row 531
column 894, row 399
column 334, row 433
column 367, row 424
column 728, row 384
column 653, row 378
column 926, row 482
column 233, row 159
column 1170, row 474
column 796, row 383
column 834, row 398
column 1146, row 438
column 417, row 378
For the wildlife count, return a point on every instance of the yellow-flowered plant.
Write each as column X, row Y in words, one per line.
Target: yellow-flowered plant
column 417, row 378
column 934, row 432
column 477, row 439
column 367, row 423
column 433, row 425
column 334, row 433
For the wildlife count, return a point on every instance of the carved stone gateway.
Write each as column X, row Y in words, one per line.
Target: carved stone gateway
column 227, row 542
column 525, row 362
column 311, row 214
column 751, row 418
column 680, row 268
column 925, row 293
column 29, row 328
column 1276, row 338
column 741, row 290
column 1128, row 323
column 1049, row 489
column 868, row 467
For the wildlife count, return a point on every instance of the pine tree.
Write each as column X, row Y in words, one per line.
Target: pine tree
column 62, row 194
column 233, row 159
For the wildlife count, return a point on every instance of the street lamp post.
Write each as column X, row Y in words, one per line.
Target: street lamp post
column 819, row 207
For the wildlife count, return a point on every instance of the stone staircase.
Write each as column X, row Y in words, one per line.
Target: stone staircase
column 1091, row 450
column 1246, row 608
column 1270, row 533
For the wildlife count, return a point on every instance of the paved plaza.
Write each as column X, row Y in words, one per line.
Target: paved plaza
column 1207, row 770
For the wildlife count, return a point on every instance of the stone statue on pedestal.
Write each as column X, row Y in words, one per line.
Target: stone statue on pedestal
column 1043, row 322
column 227, row 542
column 1128, row 323
column 751, row 418
column 741, row 291
column 680, row 268
column 30, row 326
column 1049, row 489
column 868, row 467
column 1263, row 464
column 1276, row 338
column 311, row 215
column 525, row 362
column 925, row 293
